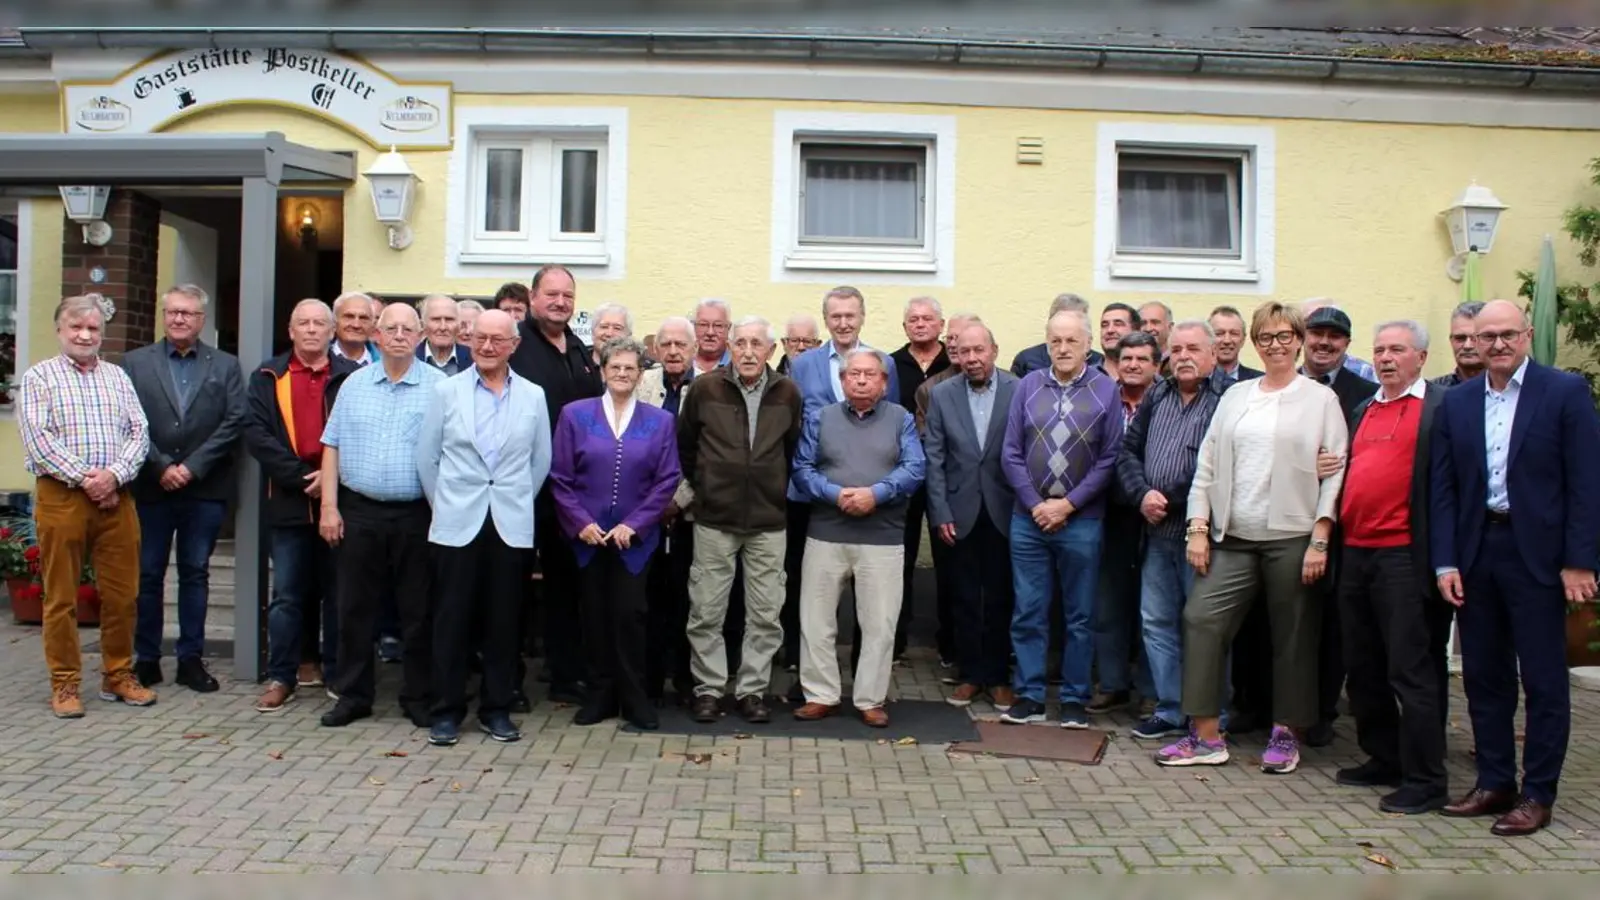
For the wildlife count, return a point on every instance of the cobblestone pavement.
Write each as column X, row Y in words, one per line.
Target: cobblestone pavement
column 205, row 784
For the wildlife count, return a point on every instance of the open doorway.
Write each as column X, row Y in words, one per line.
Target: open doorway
column 310, row 254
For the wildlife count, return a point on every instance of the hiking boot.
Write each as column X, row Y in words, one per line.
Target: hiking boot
column 122, row 687
column 65, row 702
column 963, row 695
column 275, row 697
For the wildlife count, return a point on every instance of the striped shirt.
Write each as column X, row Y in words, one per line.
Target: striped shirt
column 375, row 424
column 1172, row 445
column 75, row 420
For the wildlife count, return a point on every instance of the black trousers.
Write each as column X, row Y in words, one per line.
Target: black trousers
column 385, row 550
column 614, row 613
column 667, row 596
column 1330, row 651
column 916, row 526
column 1394, row 645
column 799, row 523
column 480, row 591
column 558, row 601
column 980, row 566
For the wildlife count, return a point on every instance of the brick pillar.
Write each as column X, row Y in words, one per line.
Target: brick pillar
column 129, row 261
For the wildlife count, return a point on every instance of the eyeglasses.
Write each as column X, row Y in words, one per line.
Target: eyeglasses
column 718, row 327
column 1366, row 438
column 182, row 314
column 1281, row 338
column 397, row 330
column 491, row 340
column 1490, row 338
column 803, row 342
column 1463, row 338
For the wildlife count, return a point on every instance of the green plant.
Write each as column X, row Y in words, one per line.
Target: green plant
column 1577, row 312
column 19, row 551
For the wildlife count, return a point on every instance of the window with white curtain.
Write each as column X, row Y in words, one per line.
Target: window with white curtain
column 10, row 262
column 863, row 194
column 537, row 194
column 1183, row 205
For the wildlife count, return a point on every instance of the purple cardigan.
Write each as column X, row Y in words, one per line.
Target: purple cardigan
column 1062, row 440
column 598, row 479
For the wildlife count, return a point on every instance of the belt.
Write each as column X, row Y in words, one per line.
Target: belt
column 1495, row 517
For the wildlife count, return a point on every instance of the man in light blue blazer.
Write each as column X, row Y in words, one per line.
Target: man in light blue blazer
column 483, row 454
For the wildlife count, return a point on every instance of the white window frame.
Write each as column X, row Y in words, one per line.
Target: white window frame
column 1252, row 272
column 868, row 262
column 542, row 133
column 24, row 211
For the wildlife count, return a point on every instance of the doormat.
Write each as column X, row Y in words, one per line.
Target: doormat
column 1075, row 745
column 925, row 721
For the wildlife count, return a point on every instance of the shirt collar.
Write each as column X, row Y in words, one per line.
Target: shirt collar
column 761, row 382
column 449, row 356
column 866, row 415
column 93, row 364
column 295, row 365
column 833, row 349
column 380, row 374
column 1517, row 379
column 366, row 353
column 1418, row 389
column 1082, row 373
column 988, row 384
column 175, row 353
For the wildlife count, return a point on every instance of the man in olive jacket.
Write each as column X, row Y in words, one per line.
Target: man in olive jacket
column 737, row 434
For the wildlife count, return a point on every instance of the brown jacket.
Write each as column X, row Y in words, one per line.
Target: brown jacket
column 738, row 487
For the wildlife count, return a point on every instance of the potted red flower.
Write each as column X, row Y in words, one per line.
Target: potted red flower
column 20, row 567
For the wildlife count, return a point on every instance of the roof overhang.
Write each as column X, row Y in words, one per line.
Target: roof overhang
column 166, row 159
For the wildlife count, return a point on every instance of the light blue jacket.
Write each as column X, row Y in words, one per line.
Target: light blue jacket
column 457, row 480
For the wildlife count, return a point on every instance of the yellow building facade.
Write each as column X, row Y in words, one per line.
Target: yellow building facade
column 765, row 182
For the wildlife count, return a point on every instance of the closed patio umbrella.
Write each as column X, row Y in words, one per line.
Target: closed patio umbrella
column 1545, row 314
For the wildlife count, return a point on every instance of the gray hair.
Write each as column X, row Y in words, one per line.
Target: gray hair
column 422, row 305
column 403, row 308
column 1164, row 308
column 622, row 344
column 715, row 302
column 348, row 296
column 929, row 302
column 802, row 319
column 327, row 311
column 611, row 309
column 1079, row 315
column 753, row 321
column 1069, row 303
column 882, row 361
column 678, row 321
column 1467, row 310
column 975, row 322
column 468, row 305
column 72, row 307
column 193, row 291
column 844, row 290
column 1419, row 334
column 1198, row 324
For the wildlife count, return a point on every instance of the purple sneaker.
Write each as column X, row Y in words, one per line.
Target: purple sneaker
column 1282, row 755
column 1190, row 750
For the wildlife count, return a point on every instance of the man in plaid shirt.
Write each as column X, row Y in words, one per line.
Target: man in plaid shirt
column 85, row 438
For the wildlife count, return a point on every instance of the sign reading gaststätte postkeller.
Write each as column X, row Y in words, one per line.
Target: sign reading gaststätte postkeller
column 153, row 94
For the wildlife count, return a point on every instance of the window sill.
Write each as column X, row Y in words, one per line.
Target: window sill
column 559, row 257
column 1173, row 270
column 863, row 262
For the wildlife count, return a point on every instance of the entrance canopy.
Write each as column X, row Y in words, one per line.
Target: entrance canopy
column 147, row 159
column 257, row 165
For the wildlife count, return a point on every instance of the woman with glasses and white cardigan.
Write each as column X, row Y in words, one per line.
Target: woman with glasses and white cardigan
column 1260, row 519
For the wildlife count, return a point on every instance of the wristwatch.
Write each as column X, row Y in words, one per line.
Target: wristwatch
column 1320, row 546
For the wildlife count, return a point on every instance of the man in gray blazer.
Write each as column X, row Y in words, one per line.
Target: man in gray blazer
column 193, row 396
column 969, row 509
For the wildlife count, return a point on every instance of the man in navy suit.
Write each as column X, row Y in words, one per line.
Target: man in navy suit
column 441, row 318
column 1516, row 503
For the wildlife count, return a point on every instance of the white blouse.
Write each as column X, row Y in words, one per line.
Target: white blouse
column 1253, row 451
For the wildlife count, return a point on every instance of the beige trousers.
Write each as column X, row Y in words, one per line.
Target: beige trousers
column 824, row 571
column 716, row 554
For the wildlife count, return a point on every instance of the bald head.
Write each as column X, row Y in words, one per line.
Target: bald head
column 494, row 339
column 1503, row 338
column 399, row 331
column 496, row 322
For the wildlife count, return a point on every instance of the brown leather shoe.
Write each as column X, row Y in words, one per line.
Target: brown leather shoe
column 66, row 702
column 963, row 695
column 1527, row 817
column 811, row 712
column 309, row 675
column 754, row 709
column 1002, row 697
column 274, row 697
column 1479, row 802
column 875, row 717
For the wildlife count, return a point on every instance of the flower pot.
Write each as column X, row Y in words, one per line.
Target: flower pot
column 1581, row 632
column 88, row 605
column 27, row 601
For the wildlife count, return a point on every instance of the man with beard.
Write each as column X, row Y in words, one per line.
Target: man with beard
column 1464, row 345
column 551, row 356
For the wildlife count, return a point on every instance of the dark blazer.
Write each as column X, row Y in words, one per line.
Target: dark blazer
column 961, row 478
column 1038, row 357
column 1245, row 374
column 1552, row 475
column 202, row 434
column 1351, row 389
column 463, row 356
column 267, row 421
column 1421, row 493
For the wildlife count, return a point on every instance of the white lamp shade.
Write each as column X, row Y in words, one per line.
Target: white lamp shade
column 1473, row 219
column 85, row 202
column 393, row 188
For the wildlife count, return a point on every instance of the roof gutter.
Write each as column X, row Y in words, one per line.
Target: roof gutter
column 853, row 48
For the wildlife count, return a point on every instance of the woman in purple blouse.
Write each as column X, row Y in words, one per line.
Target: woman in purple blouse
column 613, row 471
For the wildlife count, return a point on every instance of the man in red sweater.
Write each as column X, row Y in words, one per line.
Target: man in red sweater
column 1395, row 625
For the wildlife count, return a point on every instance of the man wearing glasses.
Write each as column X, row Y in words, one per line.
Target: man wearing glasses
column 374, row 510
column 193, row 396
column 1464, row 345
column 799, row 335
column 712, row 319
column 1516, row 508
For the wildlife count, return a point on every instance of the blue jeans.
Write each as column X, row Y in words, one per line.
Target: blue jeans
column 1074, row 554
column 1167, row 580
column 302, row 567
column 196, row 524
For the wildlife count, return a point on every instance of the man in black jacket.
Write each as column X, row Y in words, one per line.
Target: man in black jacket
column 288, row 402
column 193, row 397
column 551, row 356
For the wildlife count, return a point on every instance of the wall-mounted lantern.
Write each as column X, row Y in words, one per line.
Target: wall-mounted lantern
column 1472, row 219
column 394, row 187
column 86, row 205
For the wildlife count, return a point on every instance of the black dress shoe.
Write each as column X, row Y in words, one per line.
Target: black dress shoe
column 1369, row 774
column 343, row 713
column 1319, row 735
column 1413, row 801
column 706, row 709
column 148, row 671
column 192, row 674
column 566, row 692
column 594, row 714
column 520, row 703
column 645, row 720
column 418, row 714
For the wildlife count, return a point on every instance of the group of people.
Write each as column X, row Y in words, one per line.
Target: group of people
column 1234, row 547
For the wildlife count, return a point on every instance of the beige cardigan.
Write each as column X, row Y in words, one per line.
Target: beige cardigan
column 1309, row 420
